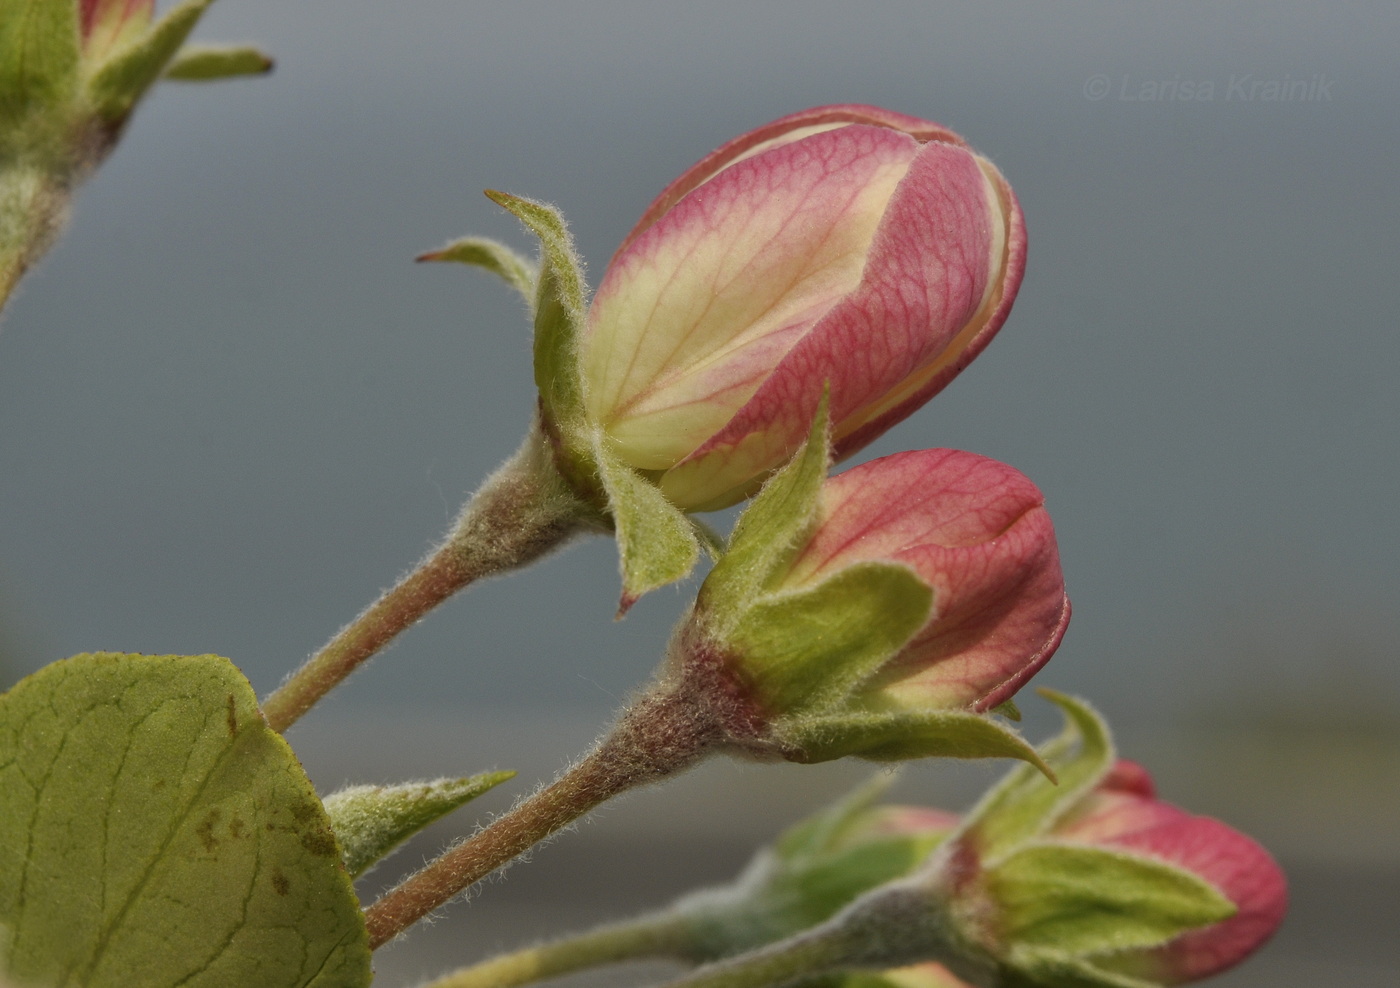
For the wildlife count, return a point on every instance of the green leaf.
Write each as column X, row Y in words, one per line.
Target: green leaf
column 38, row 61
column 656, row 542
column 776, row 524
column 808, row 651
column 516, row 271
column 898, row 735
column 155, row 832
column 559, row 310
column 1027, row 803
column 124, row 78
column 204, row 63
column 370, row 822
column 1086, row 900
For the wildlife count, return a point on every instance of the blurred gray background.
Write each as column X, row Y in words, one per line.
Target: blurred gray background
column 232, row 408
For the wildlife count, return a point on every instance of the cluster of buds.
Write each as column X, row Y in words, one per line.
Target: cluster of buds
column 779, row 306
column 72, row 72
column 881, row 612
column 846, row 259
column 844, row 249
column 1095, row 883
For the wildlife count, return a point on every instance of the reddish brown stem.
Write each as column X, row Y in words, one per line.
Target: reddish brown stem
column 522, row 512
column 663, row 733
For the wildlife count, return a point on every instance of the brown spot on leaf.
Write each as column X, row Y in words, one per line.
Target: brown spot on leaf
column 280, row 883
column 319, row 841
column 236, row 828
column 232, row 716
column 205, row 831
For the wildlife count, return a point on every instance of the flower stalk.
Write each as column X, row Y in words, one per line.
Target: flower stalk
column 667, row 730
column 522, row 512
column 661, row 935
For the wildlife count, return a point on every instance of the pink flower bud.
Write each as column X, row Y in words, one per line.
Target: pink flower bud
column 105, row 25
column 845, row 245
column 1122, row 814
column 977, row 532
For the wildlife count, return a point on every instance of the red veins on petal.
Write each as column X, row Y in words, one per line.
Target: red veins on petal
column 689, row 322
column 930, row 283
column 977, row 532
column 1119, row 815
column 784, row 130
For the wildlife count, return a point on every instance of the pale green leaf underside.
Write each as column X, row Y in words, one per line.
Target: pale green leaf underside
column 155, row 832
column 371, row 821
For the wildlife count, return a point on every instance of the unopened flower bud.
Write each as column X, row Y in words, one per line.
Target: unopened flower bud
column 71, row 72
column 1101, row 883
column 843, row 245
column 814, row 868
column 883, row 611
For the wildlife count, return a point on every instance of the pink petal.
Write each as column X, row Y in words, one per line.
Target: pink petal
column 792, row 127
column 929, row 277
column 691, row 319
column 975, row 529
column 1237, row 866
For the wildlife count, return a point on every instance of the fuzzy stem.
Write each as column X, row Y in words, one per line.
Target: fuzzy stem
column 666, row 731
column 523, row 511
column 659, row 935
column 824, row 949
column 33, row 205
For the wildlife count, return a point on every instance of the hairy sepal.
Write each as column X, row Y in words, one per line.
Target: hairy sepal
column 773, row 528
column 371, row 822
column 1086, row 900
column 518, row 272
column 207, row 63
column 1027, row 803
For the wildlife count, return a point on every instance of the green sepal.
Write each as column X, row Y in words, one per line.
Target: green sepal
column 920, row 976
column 776, row 524
column 897, row 735
column 154, row 831
column 819, row 645
column 1009, row 710
column 823, row 830
column 206, row 63
column 1032, row 967
column 520, row 273
column 1086, row 900
column 370, row 822
column 559, row 311
column 38, row 62
column 1027, row 803
column 814, row 869
column 656, row 542
column 124, row 77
